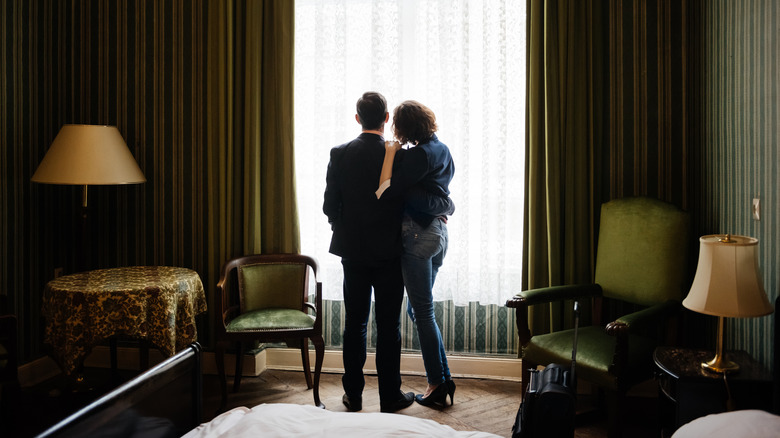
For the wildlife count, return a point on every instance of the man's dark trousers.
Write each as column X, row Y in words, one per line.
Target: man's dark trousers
column 386, row 281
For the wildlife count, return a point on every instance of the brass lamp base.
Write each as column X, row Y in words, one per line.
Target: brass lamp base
column 720, row 365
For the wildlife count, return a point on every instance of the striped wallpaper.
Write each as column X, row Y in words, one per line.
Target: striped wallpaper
column 139, row 65
column 694, row 115
column 735, row 131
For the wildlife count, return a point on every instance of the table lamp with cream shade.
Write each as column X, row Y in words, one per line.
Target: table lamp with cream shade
column 88, row 155
column 727, row 284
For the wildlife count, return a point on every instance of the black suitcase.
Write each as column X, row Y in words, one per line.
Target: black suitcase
column 549, row 403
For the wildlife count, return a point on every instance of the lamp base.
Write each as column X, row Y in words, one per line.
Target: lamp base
column 720, row 365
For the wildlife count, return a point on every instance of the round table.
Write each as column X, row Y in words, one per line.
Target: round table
column 157, row 304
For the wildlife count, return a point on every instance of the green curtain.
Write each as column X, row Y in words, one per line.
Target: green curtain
column 560, row 188
column 251, row 201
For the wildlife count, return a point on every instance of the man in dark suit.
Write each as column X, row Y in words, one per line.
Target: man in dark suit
column 367, row 236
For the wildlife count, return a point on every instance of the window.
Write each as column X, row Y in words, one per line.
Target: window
column 465, row 60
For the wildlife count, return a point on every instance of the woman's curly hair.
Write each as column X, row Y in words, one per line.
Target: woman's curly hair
column 413, row 123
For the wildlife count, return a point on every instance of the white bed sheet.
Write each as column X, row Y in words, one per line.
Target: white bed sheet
column 290, row 420
column 745, row 423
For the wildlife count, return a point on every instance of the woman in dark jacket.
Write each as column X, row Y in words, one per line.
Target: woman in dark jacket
column 422, row 174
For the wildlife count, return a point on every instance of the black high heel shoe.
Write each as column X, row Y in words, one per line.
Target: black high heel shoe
column 450, row 390
column 437, row 397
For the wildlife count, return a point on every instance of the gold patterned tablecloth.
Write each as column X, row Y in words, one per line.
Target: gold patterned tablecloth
column 154, row 303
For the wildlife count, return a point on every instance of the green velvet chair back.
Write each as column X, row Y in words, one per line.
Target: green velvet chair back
column 272, row 285
column 642, row 251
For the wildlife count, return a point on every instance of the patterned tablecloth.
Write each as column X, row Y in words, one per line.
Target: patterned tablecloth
column 154, row 303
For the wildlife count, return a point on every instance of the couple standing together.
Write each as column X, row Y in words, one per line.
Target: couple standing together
column 388, row 209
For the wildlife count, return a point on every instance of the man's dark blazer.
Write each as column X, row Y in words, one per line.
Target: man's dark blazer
column 365, row 229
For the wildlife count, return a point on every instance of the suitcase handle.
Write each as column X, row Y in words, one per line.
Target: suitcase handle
column 574, row 348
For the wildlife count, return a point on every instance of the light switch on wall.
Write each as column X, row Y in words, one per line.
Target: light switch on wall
column 756, row 209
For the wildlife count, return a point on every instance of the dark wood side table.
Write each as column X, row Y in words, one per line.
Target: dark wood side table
column 687, row 391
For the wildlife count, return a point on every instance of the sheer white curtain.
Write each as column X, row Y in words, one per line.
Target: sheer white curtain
column 465, row 59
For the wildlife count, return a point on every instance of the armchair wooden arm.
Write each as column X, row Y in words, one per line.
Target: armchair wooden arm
column 641, row 320
column 522, row 300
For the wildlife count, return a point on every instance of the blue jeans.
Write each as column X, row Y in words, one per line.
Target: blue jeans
column 424, row 251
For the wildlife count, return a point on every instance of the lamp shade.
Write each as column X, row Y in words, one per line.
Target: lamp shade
column 727, row 281
column 88, row 155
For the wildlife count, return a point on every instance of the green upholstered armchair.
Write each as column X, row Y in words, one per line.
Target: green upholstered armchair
column 265, row 297
column 641, row 267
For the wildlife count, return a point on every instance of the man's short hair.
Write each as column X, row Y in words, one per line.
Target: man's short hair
column 371, row 109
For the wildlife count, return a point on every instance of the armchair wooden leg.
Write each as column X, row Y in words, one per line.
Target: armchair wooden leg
column 220, row 358
column 239, row 366
column 304, row 346
column 319, row 348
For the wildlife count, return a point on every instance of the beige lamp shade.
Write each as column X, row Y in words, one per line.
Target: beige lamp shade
column 88, row 155
column 727, row 281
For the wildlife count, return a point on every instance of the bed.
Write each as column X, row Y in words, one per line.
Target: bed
column 751, row 423
column 166, row 401
column 288, row 420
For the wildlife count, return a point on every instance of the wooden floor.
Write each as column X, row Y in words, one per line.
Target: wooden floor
column 480, row 404
column 483, row 405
